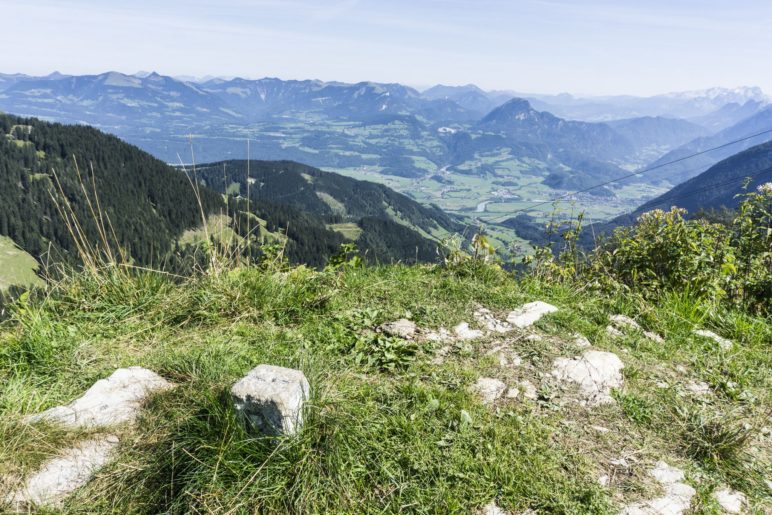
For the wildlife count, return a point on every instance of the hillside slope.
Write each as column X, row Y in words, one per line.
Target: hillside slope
column 148, row 203
column 717, row 187
column 525, row 419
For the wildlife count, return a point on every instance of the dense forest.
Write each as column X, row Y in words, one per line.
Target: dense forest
column 146, row 203
column 330, row 195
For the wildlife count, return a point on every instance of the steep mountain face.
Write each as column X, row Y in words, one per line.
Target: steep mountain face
column 681, row 171
column 717, row 187
column 518, row 121
column 728, row 115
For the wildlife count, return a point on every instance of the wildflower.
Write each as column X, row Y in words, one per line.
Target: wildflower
column 764, row 188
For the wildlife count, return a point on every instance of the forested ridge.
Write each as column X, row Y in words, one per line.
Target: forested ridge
column 148, row 203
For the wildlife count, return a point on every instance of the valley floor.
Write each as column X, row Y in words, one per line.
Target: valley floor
column 393, row 425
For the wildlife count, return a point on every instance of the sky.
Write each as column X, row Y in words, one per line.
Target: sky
column 585, row 47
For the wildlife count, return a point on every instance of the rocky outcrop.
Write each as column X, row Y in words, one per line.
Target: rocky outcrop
column 528, row 314
column 677, row 498
column 111, row 401
column 62, row 475
column 595, row 373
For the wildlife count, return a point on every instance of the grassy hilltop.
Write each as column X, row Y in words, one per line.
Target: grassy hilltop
column 389, row 428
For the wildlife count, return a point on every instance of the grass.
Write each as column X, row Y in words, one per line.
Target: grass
column 17, row 268
column 387, row 434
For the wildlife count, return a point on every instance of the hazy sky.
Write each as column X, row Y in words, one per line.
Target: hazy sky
column 586, row 47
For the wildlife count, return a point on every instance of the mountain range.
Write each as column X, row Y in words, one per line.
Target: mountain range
column 459, row 147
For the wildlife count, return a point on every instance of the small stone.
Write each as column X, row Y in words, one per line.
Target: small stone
column 529, row 314
column 596, row 373
column 604, row 480
column 440, row 335
column 700, row 388
column 601, row 429
column 533, row 337
column 681, row 369
column 529, row 390
column 402, row 328
column 488, row 389
column 581, row 341
column 620, row 462
column 485, row 318
column 665, row 474
column 731, row 500
column 613, row 332
column 463, row 332
column 114, row 400
column 624, row 322
column 440, row 355
column 61, row 476
column 654, row 337
column 270, row 399
column 512, row 393
column 723, row 343
column 662, row 385
column 492, row 509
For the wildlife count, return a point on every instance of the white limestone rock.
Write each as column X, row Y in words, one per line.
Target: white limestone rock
column 731, row 501
column 402, row 328
column 485, row 318
column 115, row 400
column 723, row 343
column 613, row 332
column 677, row 498
column 61, row 476
column 595, row 372
column 624, row 323
column 488, row 389
column 270, row 399
column 464, row 332
column 700, row 389
column 529, row 390
column 581, row 341
column 440, row 335
column 528, row 314
column 492, row 509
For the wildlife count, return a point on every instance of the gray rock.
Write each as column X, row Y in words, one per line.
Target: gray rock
column 485, row 318
column 463, row 332
column 581, row 341
column 492, row 509
column 731, row 501
column 677, row 498
column 595, row 372
column 528, row 314
column 270, row 399
column 613, row 332
column 402, row 328
column 723, row 343
column 624, row 322
column 115, row 400
column 529, row 390
column 61, row 476
column 488, row 389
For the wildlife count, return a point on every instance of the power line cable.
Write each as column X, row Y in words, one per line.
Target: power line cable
column 639, row 172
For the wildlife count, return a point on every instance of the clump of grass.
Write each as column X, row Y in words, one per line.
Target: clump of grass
column 717, row 442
